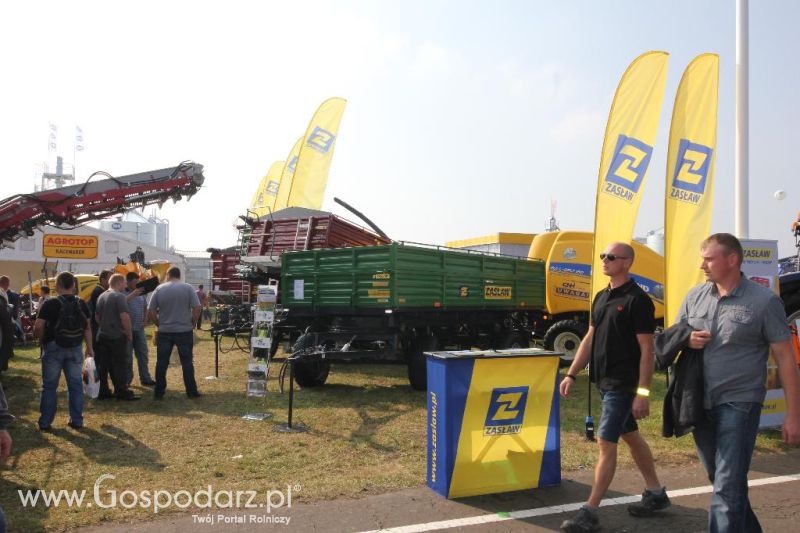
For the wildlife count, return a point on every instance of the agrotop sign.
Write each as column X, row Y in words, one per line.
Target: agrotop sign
column 62, row 246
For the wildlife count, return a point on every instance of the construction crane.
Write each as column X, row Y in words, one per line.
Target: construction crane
column 77, row 205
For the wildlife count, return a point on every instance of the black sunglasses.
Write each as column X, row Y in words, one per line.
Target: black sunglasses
column 611, row 257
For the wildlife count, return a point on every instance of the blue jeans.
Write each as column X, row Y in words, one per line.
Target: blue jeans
column 138, row 346
column 54, row 360
column 164, row 343
column 2, row 521
column 617, row 416
column 725, row 445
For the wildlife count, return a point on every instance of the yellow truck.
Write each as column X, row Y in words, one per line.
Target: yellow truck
column 86, row 283
column 567, row 256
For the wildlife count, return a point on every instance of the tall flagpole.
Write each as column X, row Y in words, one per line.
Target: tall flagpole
column 742, row 165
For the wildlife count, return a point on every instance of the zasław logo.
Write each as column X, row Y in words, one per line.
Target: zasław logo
column 506, row 411
column 627, row 169
column 320, row 140
column 272, row 188
column 691, row 172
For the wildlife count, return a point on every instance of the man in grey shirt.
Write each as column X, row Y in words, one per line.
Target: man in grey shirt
column 736, row 323
column 174, row 309
column 113, row 335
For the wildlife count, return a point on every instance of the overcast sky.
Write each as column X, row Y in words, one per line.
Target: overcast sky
column 464, row 118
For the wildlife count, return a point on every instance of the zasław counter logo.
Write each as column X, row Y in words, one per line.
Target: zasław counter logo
column 506, row 411
column 627, row 169
column 691, row 172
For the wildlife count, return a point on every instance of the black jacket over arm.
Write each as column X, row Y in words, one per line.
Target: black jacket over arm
column 683, row 404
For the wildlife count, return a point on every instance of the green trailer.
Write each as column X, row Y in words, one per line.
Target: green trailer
column 390, row 303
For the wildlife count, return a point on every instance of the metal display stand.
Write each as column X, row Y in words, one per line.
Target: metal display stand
column 260, row 342
column 215, row 335
column 289, row 427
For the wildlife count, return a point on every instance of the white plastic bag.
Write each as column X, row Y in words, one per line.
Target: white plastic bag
column 91, row 381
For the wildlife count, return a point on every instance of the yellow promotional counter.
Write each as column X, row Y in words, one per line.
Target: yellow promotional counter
column 493, row 421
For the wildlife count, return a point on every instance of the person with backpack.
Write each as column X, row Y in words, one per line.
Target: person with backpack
column 62, row 326
column 5, row 443
column 113, row 336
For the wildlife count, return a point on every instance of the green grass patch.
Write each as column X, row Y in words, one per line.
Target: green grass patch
column 367, row 435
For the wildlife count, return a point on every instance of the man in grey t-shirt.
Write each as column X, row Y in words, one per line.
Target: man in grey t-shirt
column 736, row 323
column 174, row 308
column 113, row 335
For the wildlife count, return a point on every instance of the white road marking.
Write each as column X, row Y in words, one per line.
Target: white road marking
column 565, row 508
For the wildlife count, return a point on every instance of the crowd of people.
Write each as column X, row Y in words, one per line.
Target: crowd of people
column 111, row 329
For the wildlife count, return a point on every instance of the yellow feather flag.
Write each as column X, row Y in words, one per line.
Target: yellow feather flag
column 627, row 149
column 287, row 174
column 316, row 152
column 267, row 192
column 690, row 178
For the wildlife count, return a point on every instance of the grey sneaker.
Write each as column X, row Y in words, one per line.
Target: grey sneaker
column 650, row 504
column 585, row 521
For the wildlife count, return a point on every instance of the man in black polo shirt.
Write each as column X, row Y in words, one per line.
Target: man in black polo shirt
column 619, row 348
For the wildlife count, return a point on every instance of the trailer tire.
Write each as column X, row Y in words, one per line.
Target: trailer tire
column 417, row 366
column 565, row 336
column 309, row 374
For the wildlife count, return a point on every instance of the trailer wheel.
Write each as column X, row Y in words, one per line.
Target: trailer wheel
column 417, row 366
column 309, row 373
column 565, row 336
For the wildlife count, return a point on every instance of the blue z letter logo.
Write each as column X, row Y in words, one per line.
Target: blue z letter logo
column 691, row 168
column 629, row 164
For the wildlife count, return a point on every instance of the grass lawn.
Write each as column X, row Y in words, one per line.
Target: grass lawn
column 366, row 435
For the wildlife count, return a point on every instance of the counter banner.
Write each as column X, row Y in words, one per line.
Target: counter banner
column 316, row 151
column 493, row 425
column 264, row 199
column 287, row 175
column 690, row 179
column 627, row 149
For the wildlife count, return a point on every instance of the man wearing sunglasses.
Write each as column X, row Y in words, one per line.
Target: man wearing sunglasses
column 619, row 347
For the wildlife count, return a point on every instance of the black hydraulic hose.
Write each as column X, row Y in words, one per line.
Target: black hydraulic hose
column 360, row 215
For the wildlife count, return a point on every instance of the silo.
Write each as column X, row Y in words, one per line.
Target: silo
column 655, row 241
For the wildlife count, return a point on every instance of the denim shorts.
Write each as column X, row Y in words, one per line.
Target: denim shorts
column 617, row 418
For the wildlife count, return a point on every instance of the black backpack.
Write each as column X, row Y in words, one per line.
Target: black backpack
column 70, row 324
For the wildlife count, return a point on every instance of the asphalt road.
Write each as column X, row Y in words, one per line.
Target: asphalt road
column 777, row 504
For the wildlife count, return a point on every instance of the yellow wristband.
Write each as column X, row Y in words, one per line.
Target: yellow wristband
column 641, row 391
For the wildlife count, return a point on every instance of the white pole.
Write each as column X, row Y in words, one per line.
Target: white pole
column 742, row 221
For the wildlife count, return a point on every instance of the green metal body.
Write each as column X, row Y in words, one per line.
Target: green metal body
column 400, row 276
